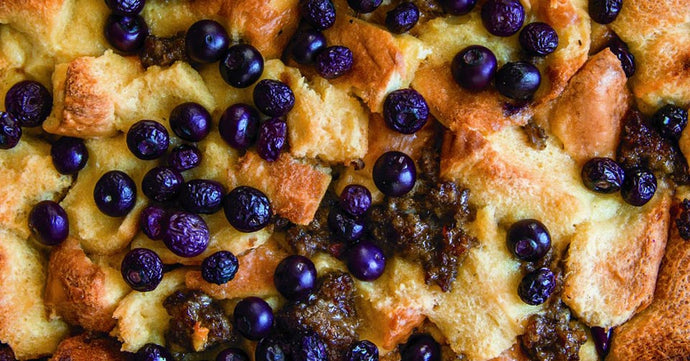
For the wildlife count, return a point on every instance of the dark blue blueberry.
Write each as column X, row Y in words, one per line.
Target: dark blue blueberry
column 219, row 268
column 604, row 11
column 206, row 41
column 153, row 352
column 528, row 240
column 602, row 340
column 49, row 223
column 622, row 52
column 638, row 187
column 190, row 121
column 405, row 110
column 394, row 173
column 306, row 44
column 334, row 61
column 366, row 261
column 241, row 66
column 247, row 209
column 503, row 17
column 69, row 155
column 239, row 126
column 345, row 226
column 355, row 199
column 474, row 67
column 458, row 7
column 318, row 13
column 126, row 33
column 421, row 347
column 538, row 39
column 126, row 7
column 29, row 103
column 271, row 349
column 295, row 277
column 273, row 97
column 364, row 6
column 10, row 131
column 153, row 220
column 253, row 318
column 147, row 139
column 115, row 194
column 518, row 80
column 603, row 175
column 201, row 196
column 142, row 269
column 232, row 354
column 272, row 139
column 402, row 18
column 671, row 120
column 362, row 351
column 184, row 157
column 162, row 184
column 309, row 347
column 186, row 235
column 537, row 286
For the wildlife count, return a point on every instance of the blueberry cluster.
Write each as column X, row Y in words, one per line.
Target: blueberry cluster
column 125, row 29
column 27, row 104
column 530, row 241
column 604, row 175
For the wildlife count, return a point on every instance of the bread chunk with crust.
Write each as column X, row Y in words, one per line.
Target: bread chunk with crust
column 88, row 347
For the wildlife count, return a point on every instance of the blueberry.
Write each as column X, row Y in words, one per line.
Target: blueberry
column 603, row 175
column 318, row 13
column 503, row 17
column 405, row 110
column 309, row 347
column 394, row 173
column 142, row 269
column 147, row 139
column 186, row 235
column 10, row 131
column 638, row 187
column 152, row 221
column 364, row 6
column 421, row 347
column 49, row 223
column 622, row 52
column 126, row 33
column 271, row 349
column 295, row 277
column 29, row 103
column 153, row 352
column 604, row 11
column 362, row 351
column 458, row 7
column 334, row 61
column 190, row 121
column 201, row 196
column 241, row 66
column 474, row 67
column 69, row 155
column 115, row 193
column 402, row 18
column 602, row 340
column 232, row 354
column 253, row 318
column 126, row 7
column 536, row 287
column 273, row 97
column 306, row 44
column 671, row 120
column 345, row 226
column 366, row 261
column 272, row 139
column 162, row 184
column 219, row 268
column 355, row 199
column 538, row 39
column 239, row 126
column 6, row 353
column 528, row 240
column 206, row 41
column 518, row 80
column 247, row 209
column 184, row 157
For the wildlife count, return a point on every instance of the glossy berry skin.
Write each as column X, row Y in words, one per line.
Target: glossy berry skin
column 206, row 41
column 10, row 131
column 306, row 45
column 152, row 221
column 115, row 193
column 186, row 234
column 273, row 97
column 602, row 340
column 528, row 240
column 219, row 268
column 622, row 52
column 162, row 184
column 537, row 286
column 242, row 66
column 364, row 6
column 147, row 139
column 362, row 351
column 29, row 103
column 153, row 352
column 503, row 17
column 125, row 7
column 366, row 261
column 402, row 18
column 271, row 139
column 126, row 33
column 334, row 61
column 670, row 120
column 320, row 14
column 474, row 67
column 271, row 349
column 69, row 155
column 638, row 187
column 603, row 175
column 247, row 209
column 295, row 277
column 458, row 7
column 518, row 80
column 355, row 199
column 232, row 354
column 184, row 157
column 538, row 39
column 190, row 121
column 142, row 269
column 309, row 347
column 253, row 318
column 48, row 222
column 344, row 226
column 421, row 347
column 405, row 110
column 604, row 11
column 239, row 126
column 201, row 196
column 394, row 173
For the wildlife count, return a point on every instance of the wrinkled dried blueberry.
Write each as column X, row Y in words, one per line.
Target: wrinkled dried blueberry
column 10, row 131
column 309, row 347
column 334, row 61
column 536, row 287
column 364, row 6
column 184, row 157
column 273, row 97
column 503, row 17
column 604, row 11
column 362, row 351
column 402, row 18
column 671, row 120
column 345, row 226
column 538, row 39
column 162, row 184
column 147, row 139
column 272, row 139
column 142, row 269
column 153, row 221
column 603, row 175
column 405, row 110
column 186, row 235
column 201, row 196
column 271, row 349
column 219, row 268
column 153, row 352
column 318, row 13
column 247, row 209
column 355, row 199
column 125, row 7
column 638, row 187
column 622, row 52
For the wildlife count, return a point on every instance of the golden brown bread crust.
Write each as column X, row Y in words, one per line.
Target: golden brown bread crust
column 89, row 347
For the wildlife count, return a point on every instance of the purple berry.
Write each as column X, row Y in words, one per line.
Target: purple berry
column 604, row 11
column 10, row 131
column 538, row 39
column 186, row 235
column 518, row 80
column 622, row 52
column 153, row 220
column 232, row 354
column 142, row 269
column 345, row 226
column 458, row 7
column 153, row 352
column 247, row 209
column 295, row 277
column 49, row 223
column 162, row 184
column 206, row 41
column 184, row 157
column 364, row 6
column 603, row 175
column 308, row 346
column 69, row 155
column 536, row 287
column 474, row 67
column 638, row 187
column 253, row 318
column 239, row 126
column 394, row 173
column 29, row 103
column 318, row 13
column 271, row 349
column 528, row 240
column 147, row 139
column 362, row 351
column 201, row 196
column 241, row 66
column 405, row 110
column 219, row 268
column 126, row 33
column 273, row 97
column 126, row 7
column 306, row 44
column 366, row 261
column 503, row 17
column 115, row 194
column 670, row 120
column 602, row 340
column 355, row 199
column 334, row 61
column 272, row 139
column 402, row 18
column 421, row 347
column 190, row 121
